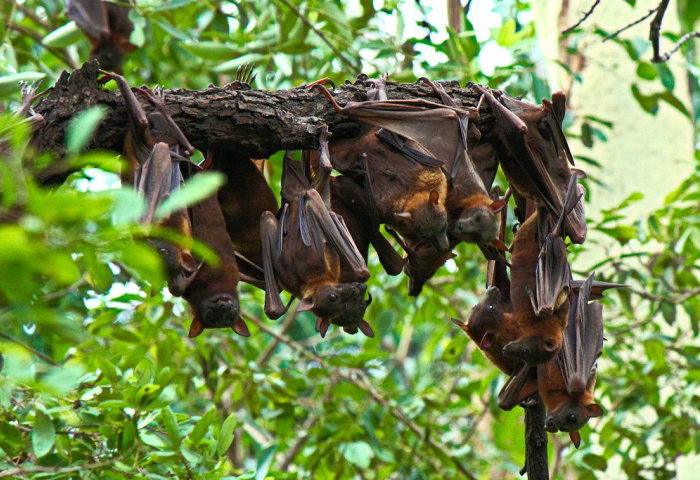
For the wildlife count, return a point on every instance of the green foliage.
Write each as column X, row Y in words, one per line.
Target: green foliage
column 98, row 380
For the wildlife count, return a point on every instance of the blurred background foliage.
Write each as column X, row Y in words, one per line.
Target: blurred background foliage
column 99, row 381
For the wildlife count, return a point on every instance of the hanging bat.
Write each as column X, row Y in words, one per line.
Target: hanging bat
column 212, row 294
column 153, row 147
column 534, row 155
column 304, row 248
column 567, row 384
column 107, row 27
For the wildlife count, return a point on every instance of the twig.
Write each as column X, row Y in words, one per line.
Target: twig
column 686, row 295
column 536, row 441
column 270, row 349
column 58, row 470
column 36, row 352
column 57, row 53
column 627, row 27
column 655, row 28
column 663, row 58
column 583, row 19
column 320, row 34
column 358, row 378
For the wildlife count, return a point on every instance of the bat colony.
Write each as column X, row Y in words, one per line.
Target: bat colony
column 420, row 168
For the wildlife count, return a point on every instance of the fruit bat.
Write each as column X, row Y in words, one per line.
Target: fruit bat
column 404, row 180
column 534, row 155
column 212, row 294
column 154, row 146
column 567, row 384
column 304, row 248
column 540, row 284
column 107, row 27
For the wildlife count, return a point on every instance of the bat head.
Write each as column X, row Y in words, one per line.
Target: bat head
column 477, row 225
column 109, row 56
column 343, row 304
column 220, row 310
column 571, row 417
column 486, row 319
column 180, row 266
column 533, row 349
column 425, row 219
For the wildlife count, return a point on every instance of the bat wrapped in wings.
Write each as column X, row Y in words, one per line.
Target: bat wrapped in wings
column 567, row 384
column 107, row 27
column 308, row 251
column 154, row 147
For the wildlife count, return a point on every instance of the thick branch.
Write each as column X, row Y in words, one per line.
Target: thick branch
column 253, row 123
column 536, row 463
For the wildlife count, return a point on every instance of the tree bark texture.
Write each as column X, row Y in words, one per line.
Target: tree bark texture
column 536, row 462
column 249, row 123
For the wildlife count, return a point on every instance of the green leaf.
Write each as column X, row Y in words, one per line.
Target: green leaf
column 358, row 453
column 649, row 103
column 196, row 189
column 202, row 425
column 82, row 128
column 226, row 435
column 211, row 50
column 264, row 462
column 170, row 424
column 63, row 36
column 646, row 70
column 43, row 434
column 596, row 462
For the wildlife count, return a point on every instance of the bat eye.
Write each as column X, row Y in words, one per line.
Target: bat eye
column 332, row 297
column 571, row 418
column 492, row 307
column 162, row 250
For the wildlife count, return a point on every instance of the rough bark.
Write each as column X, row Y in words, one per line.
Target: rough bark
column 536, row 463
column 251, row 123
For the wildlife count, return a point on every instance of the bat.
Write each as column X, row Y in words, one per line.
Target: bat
column 304, row 247
column 154, row 146
column 540, row 284
column 107, row 27
column 212, row 293
column 404, row 180
column 348, row 200
column 567, row 384
column 534, row 155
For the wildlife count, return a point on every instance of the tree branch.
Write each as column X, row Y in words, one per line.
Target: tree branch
column 583, row 19
column 630, row 25
column 253, row 123
column 536, row 463
column 655, row 28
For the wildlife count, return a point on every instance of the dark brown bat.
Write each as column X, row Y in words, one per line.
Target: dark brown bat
column 304, row 248
column 212, row 294
column 534, row 155
column 107, row 27
column 567, row 384
column 153, row 147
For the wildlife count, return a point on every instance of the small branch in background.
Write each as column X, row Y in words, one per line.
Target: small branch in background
column 270, row 349
column 655, row 28
column 56, row 470
column 664, row 58
column 628, row 26
column 36, row 352
column 559, row 453
column 38, row 39
column 583, row 19
column 320, row 34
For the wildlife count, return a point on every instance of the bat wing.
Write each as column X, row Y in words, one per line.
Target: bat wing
column 274, row 307
column 90, row 16
column 324, row 226
column 251, row 273
column 597, row 287
column 294, row 181
column 413, row 152
column 582, row 341
column 154, row 180
column 518, row 387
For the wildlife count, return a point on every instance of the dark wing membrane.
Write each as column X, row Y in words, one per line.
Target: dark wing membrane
column 294, row 182
column 90, row 16
column 518, row 387
column 552, row 276
column 154, row 179
column 398, row 143
column 582, row 340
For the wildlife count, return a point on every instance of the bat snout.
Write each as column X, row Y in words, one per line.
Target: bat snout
column 477, row 226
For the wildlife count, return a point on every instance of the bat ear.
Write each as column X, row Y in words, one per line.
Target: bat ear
column 452, row 255
column 575, row 438
column 460, row 324
column 240, row 327
column 486, row 341
column 594, row 410
column 497, row 205
column 195, row 328
column 434, row 197
column 365, row 328
column 551, row 345
column 305, row 304
column 322, row 326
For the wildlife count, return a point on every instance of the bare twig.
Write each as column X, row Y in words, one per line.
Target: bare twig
column 655, row 28
column 37, row 38
column 57, row 470
column 270, row 349
column 664, row 58
column 320, row 34
column 583, row 19
column 628, row 26
column 36, row 352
